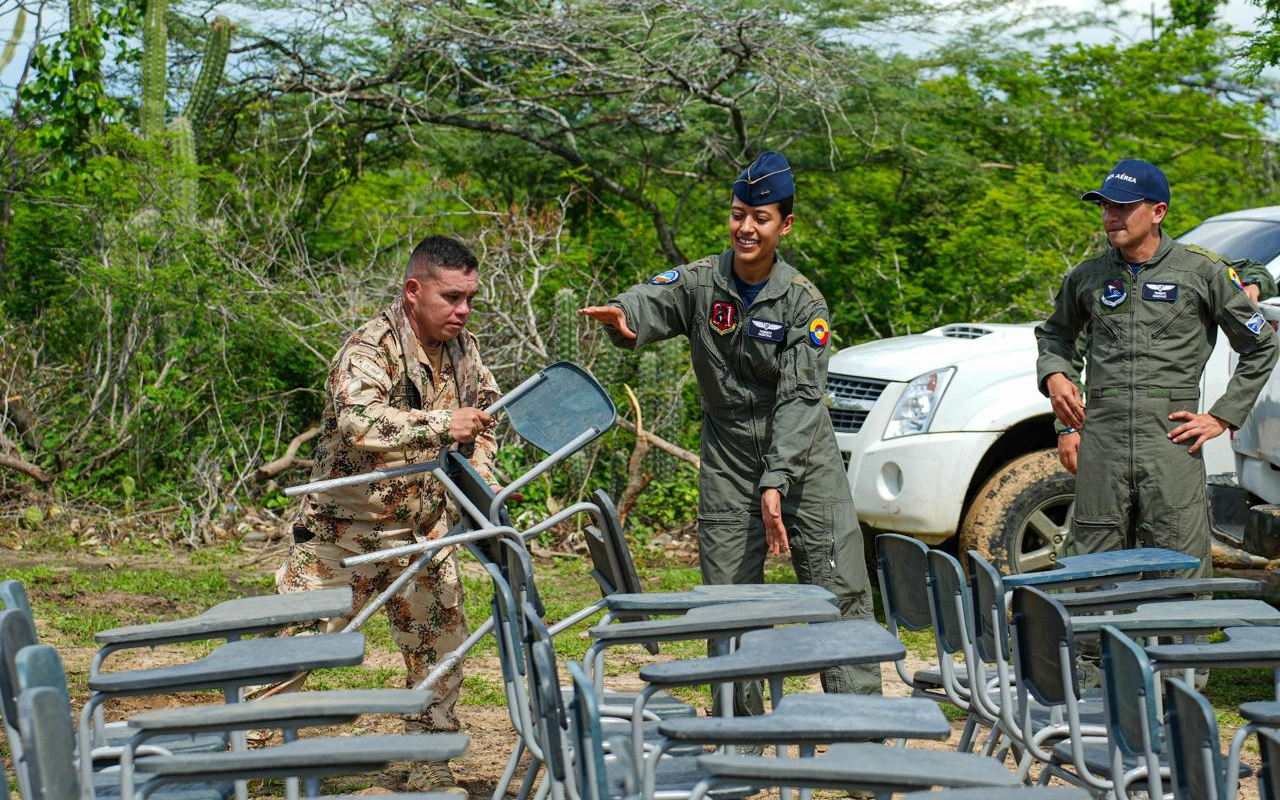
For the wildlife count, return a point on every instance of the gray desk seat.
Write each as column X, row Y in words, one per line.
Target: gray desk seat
column 864, row 766
column 1097, row 756
column 235, row 618
column 663, row 705
column 1262, row 712
column 1181, row 618
column 1006, row 793
column 1244, row 647
column 712, row 595
column 245, row 663
column 782, row 652
column 818, row 719
column 1108, row 567
column 1128, row 596
column 719, row 621
column 340, row 755
column 677, row 777
column 293, row 710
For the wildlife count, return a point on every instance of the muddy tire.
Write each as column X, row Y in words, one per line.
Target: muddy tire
column 1021, row 518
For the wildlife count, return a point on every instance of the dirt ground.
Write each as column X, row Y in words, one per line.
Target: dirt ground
column 488, row 726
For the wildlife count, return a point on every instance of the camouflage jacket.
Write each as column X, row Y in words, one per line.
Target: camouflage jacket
column 383, row 409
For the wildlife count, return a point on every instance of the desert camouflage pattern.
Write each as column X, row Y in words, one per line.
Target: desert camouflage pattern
column 384, row 408
column 427, row 619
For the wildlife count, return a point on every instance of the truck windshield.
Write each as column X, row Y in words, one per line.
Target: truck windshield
column 1237, row 238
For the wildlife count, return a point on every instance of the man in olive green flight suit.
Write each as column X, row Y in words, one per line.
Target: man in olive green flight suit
column 1153, row 307
column 1258, row 285
column 772, row 478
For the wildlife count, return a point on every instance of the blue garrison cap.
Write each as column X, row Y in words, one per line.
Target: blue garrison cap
column 766, row 181
column 1130, row 181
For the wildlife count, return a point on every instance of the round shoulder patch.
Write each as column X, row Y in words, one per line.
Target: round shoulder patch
column 663, row 278
column 819, row 332
column 1235, row 278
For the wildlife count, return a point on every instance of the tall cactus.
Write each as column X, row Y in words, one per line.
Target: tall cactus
column 155, row 47
column 182, row 143
column 81, row 15
column 212, row 66
column 565, row 343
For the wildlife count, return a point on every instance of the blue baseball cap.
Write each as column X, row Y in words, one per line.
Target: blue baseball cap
column 766, row 181
column 1130, row 181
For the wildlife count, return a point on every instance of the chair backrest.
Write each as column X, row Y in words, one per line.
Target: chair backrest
column 601, row 568
column 546, row 701
column 1269, row 774
column 587, row 737
column 946, row 585
column 990, row 613
column 1129, row 695
column 1195, row 755
column 48, row 744
column 14, row 596
column 1041, row 631
column 902, row 564
column 16, row 632
column 40, row 666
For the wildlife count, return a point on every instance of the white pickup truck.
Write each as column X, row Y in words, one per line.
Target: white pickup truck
column 945, row 432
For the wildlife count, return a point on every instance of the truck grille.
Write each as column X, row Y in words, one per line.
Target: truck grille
column 858, row 396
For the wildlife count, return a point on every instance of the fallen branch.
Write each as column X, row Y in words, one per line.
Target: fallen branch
column 670, row 449
column 27, row 468
column 637, row 479
column 290, row 457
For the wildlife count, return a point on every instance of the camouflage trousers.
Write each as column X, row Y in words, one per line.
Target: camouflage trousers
column 427, row 617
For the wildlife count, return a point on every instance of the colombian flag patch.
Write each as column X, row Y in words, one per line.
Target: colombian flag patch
column 819, row 332
column 1231, row 273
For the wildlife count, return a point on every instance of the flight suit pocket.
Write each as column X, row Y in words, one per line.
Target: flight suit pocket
column 723, row 544
column 1096, row 534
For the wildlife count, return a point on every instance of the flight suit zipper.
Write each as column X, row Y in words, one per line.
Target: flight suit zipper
column 740, row 337
column 1133, row 361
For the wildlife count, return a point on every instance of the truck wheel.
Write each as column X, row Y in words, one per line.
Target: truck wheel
column 1021, row 518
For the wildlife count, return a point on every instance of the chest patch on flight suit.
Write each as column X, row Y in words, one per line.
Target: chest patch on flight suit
column 764, row 329
column 1166, row 292
column 1256, row 322
column 724, row 317
column 1113, row 292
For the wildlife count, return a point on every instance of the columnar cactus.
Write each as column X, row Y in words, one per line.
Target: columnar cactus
column 183, row 145
column 155, row 46
column 211, row 69
column 565, row 344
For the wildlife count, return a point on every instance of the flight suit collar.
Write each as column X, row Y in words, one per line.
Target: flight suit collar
column 779, row 278
column 1166, row 244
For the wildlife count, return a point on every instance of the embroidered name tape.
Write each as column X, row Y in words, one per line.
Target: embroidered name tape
column 764, row 329
column 1164, row 292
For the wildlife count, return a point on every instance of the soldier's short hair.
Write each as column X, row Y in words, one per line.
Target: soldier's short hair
column 438, row 252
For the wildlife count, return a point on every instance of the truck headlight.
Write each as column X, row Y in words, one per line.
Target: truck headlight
column 918, row 403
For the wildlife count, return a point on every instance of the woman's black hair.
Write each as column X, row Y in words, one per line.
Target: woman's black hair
column 785, row 205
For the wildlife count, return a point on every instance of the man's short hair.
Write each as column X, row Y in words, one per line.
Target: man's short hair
column 438, row 252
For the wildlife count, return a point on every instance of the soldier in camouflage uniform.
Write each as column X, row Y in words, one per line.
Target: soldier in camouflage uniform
column 772, row 478
column 1154, row 307
column 405, row 385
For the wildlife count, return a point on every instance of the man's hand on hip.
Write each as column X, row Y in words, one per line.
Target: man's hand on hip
column 1201, row 427
column 775, row 532
column 1069, row 451
column 613, row 316
column 468, row 423
column 1065, row 397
